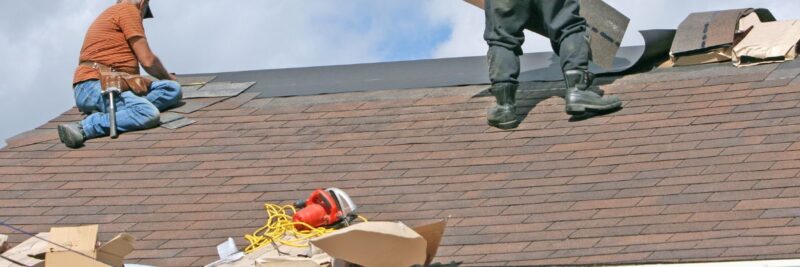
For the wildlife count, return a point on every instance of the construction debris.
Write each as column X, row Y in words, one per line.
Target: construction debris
column 27, row 253
column 77, row 246
column 383, row 243
column 3, row 245
column 227, row 252
column 67, row 247
column 768, row 43
column 708, row 37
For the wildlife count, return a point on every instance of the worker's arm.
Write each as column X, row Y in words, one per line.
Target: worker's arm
column 149, row 61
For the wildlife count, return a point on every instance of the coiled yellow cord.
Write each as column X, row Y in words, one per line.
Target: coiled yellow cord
column 281, row 229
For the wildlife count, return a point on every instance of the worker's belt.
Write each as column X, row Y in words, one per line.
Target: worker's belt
column 123, row 80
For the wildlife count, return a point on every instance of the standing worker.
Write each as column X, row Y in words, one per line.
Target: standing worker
column 113, row 48
column 560, row 21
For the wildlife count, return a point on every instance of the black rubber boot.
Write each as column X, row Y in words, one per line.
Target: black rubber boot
column 579, row 99
column 71, row 134
column 504, row 114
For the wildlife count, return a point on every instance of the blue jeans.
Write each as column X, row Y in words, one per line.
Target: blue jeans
column 133, row 112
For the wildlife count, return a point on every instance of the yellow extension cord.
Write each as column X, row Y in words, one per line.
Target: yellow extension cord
column 280, row 228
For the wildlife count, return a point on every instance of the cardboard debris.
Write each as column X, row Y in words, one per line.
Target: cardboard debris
column 708, row 37
column 383, row 243
column 607, row 28
column 286, row 261
column 432, row 233
column 22, row 253
column 767, row 43
column 272, row 254
column 3, row 244
column 82, row 248
column 227, row 252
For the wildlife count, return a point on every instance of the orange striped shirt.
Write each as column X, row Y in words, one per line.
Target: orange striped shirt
column 106, row 41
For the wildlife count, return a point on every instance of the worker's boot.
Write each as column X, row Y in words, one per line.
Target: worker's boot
column 504, row 114
column 71, row 134
column 579, row 98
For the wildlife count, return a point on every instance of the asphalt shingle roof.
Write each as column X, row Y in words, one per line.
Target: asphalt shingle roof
column 701, row 164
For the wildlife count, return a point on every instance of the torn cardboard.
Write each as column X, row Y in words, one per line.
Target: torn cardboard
column 383, row 243
column 286, row 261
column 768, row 43
column 270, row 255
column 607, row 28
column 3, row 244
column 78, row 247
column 708, row 37
column 23, row 254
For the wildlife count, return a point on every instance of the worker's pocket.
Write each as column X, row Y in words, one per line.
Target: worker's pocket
column 89, row 98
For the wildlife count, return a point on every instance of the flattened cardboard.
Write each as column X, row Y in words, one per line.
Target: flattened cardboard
column 375, row 244
column 767, row 43
column 21, row 252
column 83, row 250
column 114, row 251
column 707, row 37
column 268, row 252
column 607, row 27
column 433, row 236
column 284, row 261
column 82, row 238
column 3, row 245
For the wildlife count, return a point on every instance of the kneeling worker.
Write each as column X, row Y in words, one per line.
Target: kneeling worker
column 560, row 21
column 113, row 48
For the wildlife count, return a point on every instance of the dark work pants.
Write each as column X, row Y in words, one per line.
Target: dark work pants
column 558, row 20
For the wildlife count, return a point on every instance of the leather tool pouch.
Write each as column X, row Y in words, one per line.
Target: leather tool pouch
column 136, row 83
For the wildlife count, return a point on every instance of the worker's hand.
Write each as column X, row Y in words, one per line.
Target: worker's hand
column 173, row 77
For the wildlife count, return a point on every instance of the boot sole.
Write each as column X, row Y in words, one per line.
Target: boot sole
column 505, row 125
column 63, row 135
column 579, row 109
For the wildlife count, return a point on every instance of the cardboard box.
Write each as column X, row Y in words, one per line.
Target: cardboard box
column 384, row 243
column 607, row 28
column 768, row 43
column 708, row 37
column 25, row 252
column 79, row 248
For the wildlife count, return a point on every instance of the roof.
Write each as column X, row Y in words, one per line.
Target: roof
column 701, row 164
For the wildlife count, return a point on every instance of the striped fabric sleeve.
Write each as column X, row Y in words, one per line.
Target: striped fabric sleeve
column 130, row 21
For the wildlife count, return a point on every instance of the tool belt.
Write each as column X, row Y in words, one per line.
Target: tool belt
column 125, row 81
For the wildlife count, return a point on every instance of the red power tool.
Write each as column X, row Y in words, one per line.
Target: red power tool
column 324, row 209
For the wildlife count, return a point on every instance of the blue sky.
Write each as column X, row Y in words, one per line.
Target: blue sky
column 41, row 39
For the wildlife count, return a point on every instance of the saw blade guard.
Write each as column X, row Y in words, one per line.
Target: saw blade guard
column 346, row 204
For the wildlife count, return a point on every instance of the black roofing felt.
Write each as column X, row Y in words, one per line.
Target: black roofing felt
column 429, row 73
